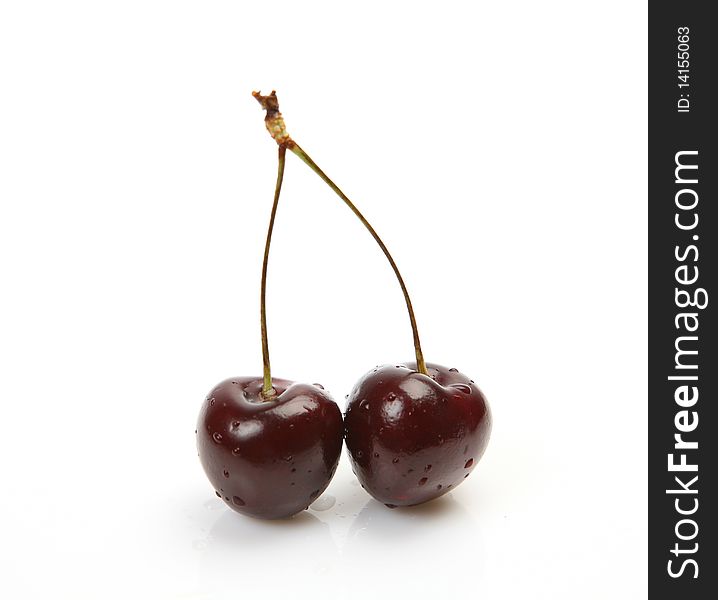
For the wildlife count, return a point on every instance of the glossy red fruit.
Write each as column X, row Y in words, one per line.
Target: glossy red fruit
column 413, row 437
column 269, row 458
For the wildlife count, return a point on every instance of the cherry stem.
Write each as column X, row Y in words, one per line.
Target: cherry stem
column 268, row 391
column 420, row 364
column 274, row 122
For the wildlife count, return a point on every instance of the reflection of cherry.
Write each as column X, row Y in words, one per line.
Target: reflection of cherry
column 413, row 437
column 269, row 458
column 440, row 539
column 407, row 429
column 235, row 550
column 269, row 446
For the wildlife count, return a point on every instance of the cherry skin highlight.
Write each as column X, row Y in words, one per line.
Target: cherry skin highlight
column 414, row 437
column 269, row 458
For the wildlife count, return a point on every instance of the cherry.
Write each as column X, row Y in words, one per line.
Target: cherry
column 269, row 446
column 269, row 459
column 413, row 437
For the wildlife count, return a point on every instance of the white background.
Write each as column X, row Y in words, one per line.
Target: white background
column 500, row 150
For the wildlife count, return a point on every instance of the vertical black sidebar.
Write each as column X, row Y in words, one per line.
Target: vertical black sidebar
column 683, row 297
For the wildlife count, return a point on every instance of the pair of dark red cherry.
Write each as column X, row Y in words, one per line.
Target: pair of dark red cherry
column 411, row 438
column 270, row 446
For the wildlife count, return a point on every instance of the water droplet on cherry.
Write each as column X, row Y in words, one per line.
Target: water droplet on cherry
column 462, row 387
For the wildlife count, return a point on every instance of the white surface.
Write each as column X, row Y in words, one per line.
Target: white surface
column 499, row 148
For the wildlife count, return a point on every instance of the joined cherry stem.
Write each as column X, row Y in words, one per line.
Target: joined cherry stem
column 268, row 390
column 277, row 129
